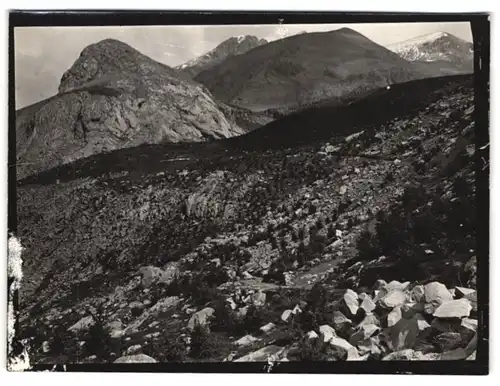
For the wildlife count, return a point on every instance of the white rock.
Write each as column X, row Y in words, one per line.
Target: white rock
column 246, row 340
column 436, row 293
column 286, row 315
column 326, row 332
column 470, row 324
column 201, row 318
column 45, row 346
column 265, row 354
column 367, row 304
column 133, row 349
column 396, row 285
column 296, row 310
column 312, row 335
column 139, row 358
column 337, row 342
column 453, row 309
column 393, row 299
column 268, row 327
column 394, row 316
column 464, row 292
column 351, row 301
column 83, row 324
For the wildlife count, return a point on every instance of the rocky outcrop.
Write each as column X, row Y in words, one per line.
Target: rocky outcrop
column 115, row 97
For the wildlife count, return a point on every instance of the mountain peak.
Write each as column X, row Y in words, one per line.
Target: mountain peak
column 235, row 45
column 435, row 46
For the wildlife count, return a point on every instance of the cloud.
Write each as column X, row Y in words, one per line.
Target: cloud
column 42, row 54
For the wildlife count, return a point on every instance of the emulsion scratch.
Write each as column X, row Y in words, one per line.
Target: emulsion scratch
column 19, row 361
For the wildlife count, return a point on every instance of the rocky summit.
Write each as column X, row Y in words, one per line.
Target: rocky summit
column 349, row 234
column 111, row 98
column 236, row 45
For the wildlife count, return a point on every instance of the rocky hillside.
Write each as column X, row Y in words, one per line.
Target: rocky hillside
column 305, row 68
column 114, row 97
column 235, row 251
column 233, row 46
column 443, row 52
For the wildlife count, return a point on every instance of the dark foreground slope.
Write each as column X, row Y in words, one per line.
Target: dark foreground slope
column 115, row 97
column 138, row 241
column 305, row 68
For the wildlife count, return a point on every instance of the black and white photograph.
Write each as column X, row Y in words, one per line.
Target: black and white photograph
column 276, row 196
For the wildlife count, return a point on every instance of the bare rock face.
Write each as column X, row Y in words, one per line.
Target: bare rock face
column 115, row 97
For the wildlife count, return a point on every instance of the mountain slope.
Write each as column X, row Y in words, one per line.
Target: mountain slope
column 233, row 46
column 305, row 68
column 439, row 50
column 227, row 219
column 114, row 97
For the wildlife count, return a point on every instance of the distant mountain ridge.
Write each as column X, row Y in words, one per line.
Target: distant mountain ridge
column 236, row 45
column 114, row 97
column 437, row 47
column 305, row 68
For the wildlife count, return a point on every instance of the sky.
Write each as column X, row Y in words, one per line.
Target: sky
column 42, row 54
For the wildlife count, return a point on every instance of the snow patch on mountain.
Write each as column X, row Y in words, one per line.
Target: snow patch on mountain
column 433, row 47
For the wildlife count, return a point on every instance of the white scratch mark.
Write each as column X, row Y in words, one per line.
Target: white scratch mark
column 14, row 271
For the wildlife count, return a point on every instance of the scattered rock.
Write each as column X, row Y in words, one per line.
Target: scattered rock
column 410, row 309
column 470, row 272
column 139, row 358
column 46, row 346
column 453, row 309
column 417, row 294
column 410, row 355
column 326, row 332
column 268, row 328
column 150, row 274
column 340, row 322
column 405, row 332
column 435, row 295
column 246, row 340
column 286, row 315
column 296, row 310
column 82, row 325
column 448, row 341
column 379, row 284
column 396, row 285
column 133, row 349
column 393, row 299
column 365, row 331
column 351, row 301
column 367, row 304
column 264, row 354
column 463, row 292
column 201, row 318
column 394, row 316
column 312, row 335
column 470, row 324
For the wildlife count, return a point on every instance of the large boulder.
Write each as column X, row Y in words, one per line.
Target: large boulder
column 393, row 299
column 453, row 309
column 436, row 294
